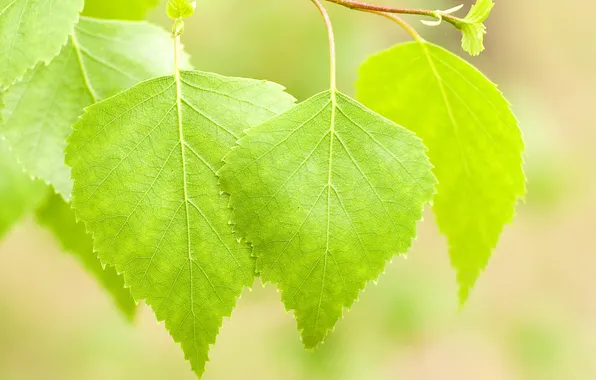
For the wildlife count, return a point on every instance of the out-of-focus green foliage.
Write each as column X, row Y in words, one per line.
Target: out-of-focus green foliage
column 32, row 32
column 57, row 216
column 102, row 58
column 180, row 8
column 119, row 9
column 19, row 195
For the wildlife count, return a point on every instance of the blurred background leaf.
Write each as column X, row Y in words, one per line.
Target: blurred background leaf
column 120, row 10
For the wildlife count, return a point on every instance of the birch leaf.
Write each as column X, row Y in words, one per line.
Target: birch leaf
column 327, row 193
column 101, row 59
column 473, row 139
column 23, row 43
column 144, row 164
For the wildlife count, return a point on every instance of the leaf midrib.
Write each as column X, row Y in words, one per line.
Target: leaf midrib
column 186, row 201
column 8, row 6
column 14, row 38
column 333, row 96
column 454, row 123
column 443, row 86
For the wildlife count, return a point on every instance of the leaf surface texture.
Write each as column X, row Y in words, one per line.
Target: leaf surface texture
column 144, row 164
column 327, row 193
column 33, row 31
column 101, row 59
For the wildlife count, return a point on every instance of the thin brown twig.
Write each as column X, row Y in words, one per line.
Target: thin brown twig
column 359, row 5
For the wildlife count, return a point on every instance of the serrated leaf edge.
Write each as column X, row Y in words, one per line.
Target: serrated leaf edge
column 362, row 288
column 122, row 273
column 463, row 294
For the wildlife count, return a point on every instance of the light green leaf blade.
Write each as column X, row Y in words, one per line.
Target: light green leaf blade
column 119, row 9
column 472, row 27
column 18, row 193
column 33, row 31
column 473, row 139
column 57, row 216
column 144, row 168
column 327, row 193
column 479, row 11
column 177, row 9
column 101, row 59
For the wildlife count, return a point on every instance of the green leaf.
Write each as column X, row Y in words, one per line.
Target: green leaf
column 180, row 8
column 472, row 27
column 119, row 9
column 144, row 164
column 327, row 193
column 33, row 31
column 18, row 193
column 101, row 59
column 473, row 139
column 57, row 216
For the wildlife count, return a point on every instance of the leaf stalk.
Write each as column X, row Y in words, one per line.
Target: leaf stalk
column 332, row 50
column 401, row 22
